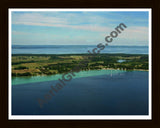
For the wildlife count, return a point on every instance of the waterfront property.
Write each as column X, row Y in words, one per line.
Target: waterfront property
column 32, row 65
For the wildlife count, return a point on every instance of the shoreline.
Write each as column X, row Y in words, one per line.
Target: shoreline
column 81, row 74
column 80, row 71
column 37, row 65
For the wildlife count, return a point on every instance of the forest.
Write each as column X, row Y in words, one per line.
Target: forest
column 42, row 64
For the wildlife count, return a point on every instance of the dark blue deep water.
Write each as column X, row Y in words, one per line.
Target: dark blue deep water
column 120, row 94
column 75, row 49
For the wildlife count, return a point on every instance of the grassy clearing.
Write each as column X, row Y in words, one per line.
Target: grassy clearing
column 30, row 65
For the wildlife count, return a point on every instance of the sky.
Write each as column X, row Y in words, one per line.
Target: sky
column 78, row 27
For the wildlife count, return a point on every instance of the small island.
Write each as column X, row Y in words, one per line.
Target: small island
column 50, row 64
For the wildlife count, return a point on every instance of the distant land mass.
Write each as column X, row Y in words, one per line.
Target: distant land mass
column 50, row 64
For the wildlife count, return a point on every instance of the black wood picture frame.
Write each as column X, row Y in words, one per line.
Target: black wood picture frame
column 6, row 4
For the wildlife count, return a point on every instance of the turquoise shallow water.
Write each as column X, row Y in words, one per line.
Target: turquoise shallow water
column 33, row 79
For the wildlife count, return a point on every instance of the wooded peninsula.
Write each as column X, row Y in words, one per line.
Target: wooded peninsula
column 50, row 64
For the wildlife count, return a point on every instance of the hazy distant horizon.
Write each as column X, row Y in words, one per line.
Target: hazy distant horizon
column 75, row 49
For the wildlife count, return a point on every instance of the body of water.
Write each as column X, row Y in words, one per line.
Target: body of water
column 100, row 93
column 75, row 49
column 96, row 92
column 33, row 79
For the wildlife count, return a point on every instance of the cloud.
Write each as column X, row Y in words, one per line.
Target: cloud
column 68, row 21
column 36, row 18
column 136, row 33
column 19, row 33
column 86, row 21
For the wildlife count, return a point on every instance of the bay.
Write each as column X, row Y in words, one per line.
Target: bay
column 121, row 93
column 75, row 49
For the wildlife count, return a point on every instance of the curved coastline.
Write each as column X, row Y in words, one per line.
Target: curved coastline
column 88, row 73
